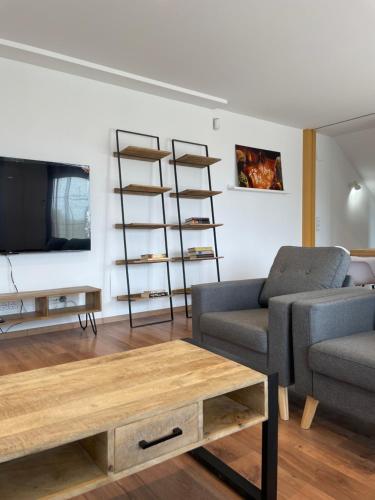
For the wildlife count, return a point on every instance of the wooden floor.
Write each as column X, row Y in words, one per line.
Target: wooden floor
column 329, row 461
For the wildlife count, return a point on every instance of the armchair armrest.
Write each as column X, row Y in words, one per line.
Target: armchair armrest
column 316, row 320
column 224, row 296
column 280, row 340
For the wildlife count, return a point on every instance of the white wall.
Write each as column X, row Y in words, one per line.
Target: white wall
column 344, row 215
column 59, row 117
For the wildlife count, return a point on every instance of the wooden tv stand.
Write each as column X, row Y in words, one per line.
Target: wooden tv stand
column 71, row 428
column 43, row 311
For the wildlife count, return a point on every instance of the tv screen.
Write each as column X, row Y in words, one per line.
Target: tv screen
column 44, row 206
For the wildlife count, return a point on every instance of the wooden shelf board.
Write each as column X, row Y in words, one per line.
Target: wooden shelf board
column 222, row 415
column 121, row 262
column 53, row 292
column 196, row 161
column 180, row 291
column 72, row 310
column 142, row 190
column 363, row 252
column 198, row 194
column 37, row 316
column 197, row 227
column 142, row 225
column 68, row 469
column 21, row 317
column 134, row 297
column 142, row 154
column 189, row 259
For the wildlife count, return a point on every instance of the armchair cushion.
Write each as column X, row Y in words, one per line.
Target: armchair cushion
column 350, row 359
column 246, row 327
column 297, row 269
column 224, row 296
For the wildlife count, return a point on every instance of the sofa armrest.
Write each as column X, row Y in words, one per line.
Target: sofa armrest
column 280, row 340
column 316, row 320
column 224, row 296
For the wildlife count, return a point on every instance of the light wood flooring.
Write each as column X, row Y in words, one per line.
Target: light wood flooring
column 328, row 462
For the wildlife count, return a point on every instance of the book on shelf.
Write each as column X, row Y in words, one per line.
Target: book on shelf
column 200, row 252
column 197, row 220
column 157, row 293
column 200, row 256
column 153, row 256
column 200, row 249
column 203, row 252
column 148, row 294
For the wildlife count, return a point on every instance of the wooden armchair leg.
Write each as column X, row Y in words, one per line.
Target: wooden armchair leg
column 309, row 412
column 283, row 403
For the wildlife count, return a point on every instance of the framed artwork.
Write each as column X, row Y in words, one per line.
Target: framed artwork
column 259, row 168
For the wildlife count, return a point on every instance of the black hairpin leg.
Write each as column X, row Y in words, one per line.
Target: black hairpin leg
column 91, row 317
column 93, row 323
column 268, row 489
column 80, row 322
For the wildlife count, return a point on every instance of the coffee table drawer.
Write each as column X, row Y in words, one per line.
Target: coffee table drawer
column 148, row 439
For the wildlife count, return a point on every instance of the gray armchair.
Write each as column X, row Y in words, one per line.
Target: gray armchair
column 251, row 319
column 334, row 354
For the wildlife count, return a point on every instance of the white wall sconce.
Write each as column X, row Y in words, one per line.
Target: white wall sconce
column 355, row 185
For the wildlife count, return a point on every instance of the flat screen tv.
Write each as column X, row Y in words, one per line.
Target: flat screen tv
column 44, row 206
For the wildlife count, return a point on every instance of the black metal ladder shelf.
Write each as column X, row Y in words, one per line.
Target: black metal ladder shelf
column 148, row 155
column 197, row 161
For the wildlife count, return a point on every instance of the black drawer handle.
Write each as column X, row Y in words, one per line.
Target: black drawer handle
column 147, row 444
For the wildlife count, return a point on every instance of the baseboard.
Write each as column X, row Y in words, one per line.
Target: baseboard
column 75, row 324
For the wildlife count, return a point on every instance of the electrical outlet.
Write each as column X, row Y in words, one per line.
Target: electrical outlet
column 57, row 302
column 54, row 300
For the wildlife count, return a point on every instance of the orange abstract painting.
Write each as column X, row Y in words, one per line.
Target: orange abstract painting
column 259, row 168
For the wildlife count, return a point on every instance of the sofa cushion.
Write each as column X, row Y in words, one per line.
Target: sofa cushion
column 350, row 359
column 302, row 269
column 247, row 327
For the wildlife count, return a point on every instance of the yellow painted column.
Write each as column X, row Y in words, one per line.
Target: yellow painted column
column 308, row 188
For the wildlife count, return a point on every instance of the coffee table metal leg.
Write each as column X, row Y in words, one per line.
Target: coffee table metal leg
column 241, row 485
column 226, row 474
column 270, row 442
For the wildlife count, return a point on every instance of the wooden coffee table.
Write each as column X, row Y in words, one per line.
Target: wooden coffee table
column 70, row 428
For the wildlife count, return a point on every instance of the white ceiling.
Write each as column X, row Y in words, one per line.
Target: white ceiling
column 299, row 62
column 349, row 126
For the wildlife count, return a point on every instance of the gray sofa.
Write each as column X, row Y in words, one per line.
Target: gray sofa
column 250, row 320
column 334, row 354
